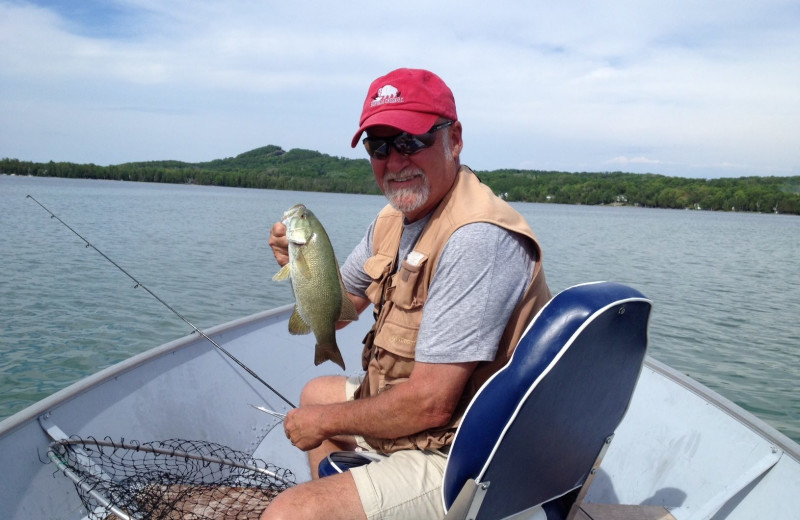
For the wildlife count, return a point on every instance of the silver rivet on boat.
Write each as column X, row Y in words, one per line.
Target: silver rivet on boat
column 622, row 310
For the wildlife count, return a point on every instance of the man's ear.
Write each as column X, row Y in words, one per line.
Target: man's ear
column 456, row 144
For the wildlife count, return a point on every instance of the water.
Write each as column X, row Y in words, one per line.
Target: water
column 726, row 286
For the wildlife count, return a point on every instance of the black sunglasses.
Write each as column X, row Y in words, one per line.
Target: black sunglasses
column 405, row 143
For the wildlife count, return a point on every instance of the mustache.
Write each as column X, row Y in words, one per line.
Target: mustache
column 405, row 173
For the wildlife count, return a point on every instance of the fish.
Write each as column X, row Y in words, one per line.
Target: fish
column 320, row 296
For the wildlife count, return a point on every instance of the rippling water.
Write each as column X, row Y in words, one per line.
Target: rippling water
column 726, row 286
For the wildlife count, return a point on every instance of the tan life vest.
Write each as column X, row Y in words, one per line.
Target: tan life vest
column 388, row 355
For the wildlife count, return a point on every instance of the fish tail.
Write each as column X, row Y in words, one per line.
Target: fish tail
column 328, row 352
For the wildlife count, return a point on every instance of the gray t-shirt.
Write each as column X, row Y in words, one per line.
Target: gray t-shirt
column 482, row 275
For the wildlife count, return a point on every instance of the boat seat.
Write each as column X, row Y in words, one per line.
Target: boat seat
column 535, row 432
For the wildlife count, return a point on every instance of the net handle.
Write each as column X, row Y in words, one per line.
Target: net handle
column 78, row 480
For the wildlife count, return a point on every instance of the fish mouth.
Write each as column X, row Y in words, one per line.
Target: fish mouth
column 294, row 211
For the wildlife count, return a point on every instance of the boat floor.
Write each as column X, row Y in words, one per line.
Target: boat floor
column 622, row 512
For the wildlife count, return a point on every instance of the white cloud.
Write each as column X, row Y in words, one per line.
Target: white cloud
column 549, row 86
column 633, row 160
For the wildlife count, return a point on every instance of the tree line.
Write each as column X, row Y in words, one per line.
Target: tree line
column 271, row 167
column 755, row 194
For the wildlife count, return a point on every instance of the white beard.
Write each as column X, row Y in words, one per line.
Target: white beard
column 407, row 200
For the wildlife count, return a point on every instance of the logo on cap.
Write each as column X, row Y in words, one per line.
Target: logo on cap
column 387, row 94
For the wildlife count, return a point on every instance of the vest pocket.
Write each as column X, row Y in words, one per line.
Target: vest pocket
column 408, row 293
column 402, row 313
column 377, row 267
column 398, row 338
column 394, row 369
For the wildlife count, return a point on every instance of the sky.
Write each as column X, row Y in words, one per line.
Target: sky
column 687, row 88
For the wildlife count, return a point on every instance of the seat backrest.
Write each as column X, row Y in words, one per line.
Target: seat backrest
column 535, row 428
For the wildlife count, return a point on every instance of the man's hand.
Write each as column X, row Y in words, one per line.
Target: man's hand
column 302, row 427
column 279, row 243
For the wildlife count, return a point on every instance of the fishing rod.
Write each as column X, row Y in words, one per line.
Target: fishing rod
column 165, row 304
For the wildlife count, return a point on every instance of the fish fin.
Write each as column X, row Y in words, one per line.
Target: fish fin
column 328, row 352
column 300, row 263
column 297, row 325
column 348, row 312
column 283, row 274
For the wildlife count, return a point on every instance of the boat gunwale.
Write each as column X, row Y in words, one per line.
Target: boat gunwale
column 35, row 410
column 735, row 411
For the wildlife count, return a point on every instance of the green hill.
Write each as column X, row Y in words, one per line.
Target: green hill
column 271, row 167
column 266, row 167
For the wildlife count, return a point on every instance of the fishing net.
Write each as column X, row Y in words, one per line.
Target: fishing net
column 167, row 480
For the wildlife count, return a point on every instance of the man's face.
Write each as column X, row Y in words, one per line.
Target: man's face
column 415, row 184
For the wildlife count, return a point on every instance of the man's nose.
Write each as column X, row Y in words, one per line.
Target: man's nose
column 396, row 161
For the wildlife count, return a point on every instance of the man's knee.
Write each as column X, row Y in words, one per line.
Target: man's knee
column 333, row 498
column 324, row 390
column 280, row 508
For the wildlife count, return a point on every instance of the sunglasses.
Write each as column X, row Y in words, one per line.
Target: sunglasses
column 405, row 143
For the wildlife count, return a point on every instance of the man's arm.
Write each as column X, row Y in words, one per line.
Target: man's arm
column 427, row 400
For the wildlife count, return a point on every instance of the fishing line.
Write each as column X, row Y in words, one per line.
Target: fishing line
column 165, row 304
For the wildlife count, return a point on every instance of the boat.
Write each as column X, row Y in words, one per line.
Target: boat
column 681, row 448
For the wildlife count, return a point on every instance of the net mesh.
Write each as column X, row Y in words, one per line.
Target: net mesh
column 167, row 480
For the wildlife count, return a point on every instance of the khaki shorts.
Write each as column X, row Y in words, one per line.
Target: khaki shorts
column 406, row 485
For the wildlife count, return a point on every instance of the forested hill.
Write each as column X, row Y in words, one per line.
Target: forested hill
column 306, row 170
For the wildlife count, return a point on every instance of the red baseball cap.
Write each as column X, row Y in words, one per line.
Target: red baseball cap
column 410, row 100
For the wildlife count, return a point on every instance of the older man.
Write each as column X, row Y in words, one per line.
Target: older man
column 454, row 274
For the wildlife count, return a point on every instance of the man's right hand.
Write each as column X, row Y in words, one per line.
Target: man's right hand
column 279, row 243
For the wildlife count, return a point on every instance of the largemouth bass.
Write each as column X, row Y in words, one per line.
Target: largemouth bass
column 320, row 296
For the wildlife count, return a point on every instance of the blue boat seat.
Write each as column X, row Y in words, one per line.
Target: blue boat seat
column 535, row 432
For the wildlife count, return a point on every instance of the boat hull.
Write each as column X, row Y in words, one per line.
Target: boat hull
column 680, row 445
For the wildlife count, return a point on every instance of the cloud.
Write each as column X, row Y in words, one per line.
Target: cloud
column 561, row 86
column 633, row 160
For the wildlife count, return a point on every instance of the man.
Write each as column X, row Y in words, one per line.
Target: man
column 454, row 274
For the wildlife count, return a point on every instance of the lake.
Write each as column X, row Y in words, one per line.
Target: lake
column 725, row 286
